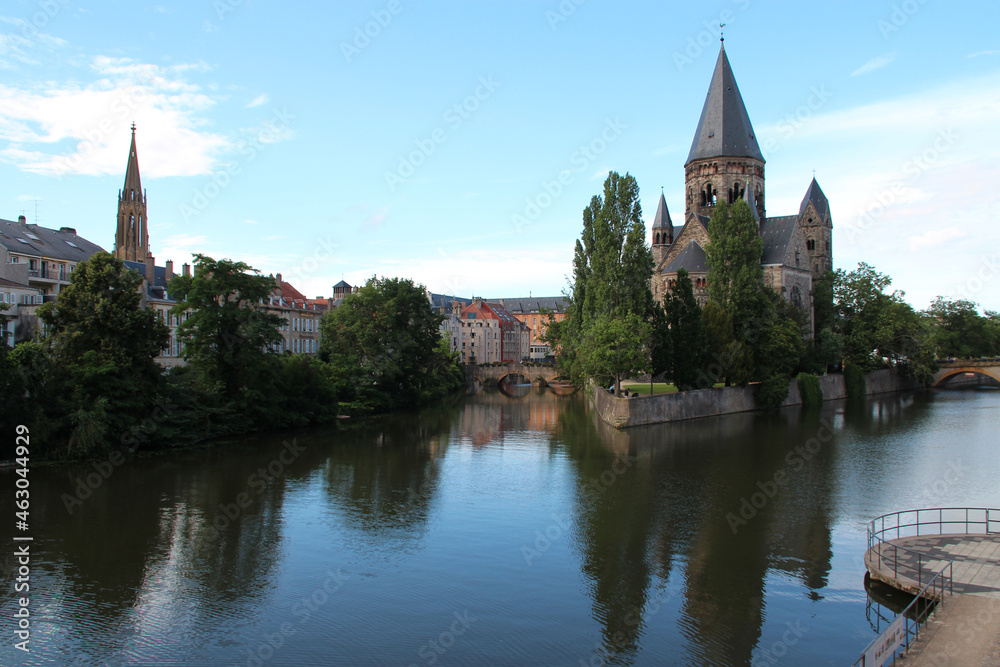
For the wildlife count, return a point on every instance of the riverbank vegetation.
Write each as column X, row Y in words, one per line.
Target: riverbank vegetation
column 90, row 385
column 745, row 332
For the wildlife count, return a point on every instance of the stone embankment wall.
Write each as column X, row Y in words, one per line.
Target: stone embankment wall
column 626, row 412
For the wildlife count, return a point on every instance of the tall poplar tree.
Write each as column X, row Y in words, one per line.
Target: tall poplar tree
column 736, row 283
column 612, row 266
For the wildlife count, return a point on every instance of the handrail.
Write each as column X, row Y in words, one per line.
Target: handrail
column 877, row 536
column 911, row 627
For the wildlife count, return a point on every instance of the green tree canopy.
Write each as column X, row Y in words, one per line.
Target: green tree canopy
column 879, row 328
column 226, row 331
column 103, row 345
column 385, row 346
column 958, row 330
column 612, row 266
column 736, row 285
column 687, row 332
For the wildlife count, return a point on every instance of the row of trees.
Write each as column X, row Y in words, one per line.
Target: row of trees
column 91, row 383
column 746, row 332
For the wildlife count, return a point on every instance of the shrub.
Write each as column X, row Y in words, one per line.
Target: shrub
column 854, row 381
column 772, row 391
column 809, row 390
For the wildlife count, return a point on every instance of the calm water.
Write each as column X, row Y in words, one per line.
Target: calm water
column 497, row 531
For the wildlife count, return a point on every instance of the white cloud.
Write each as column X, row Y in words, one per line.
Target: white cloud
column 984, row 53
column 874, row 64
column 83, row 128
column 261, row 99
column 936, row 238
column 893, row 170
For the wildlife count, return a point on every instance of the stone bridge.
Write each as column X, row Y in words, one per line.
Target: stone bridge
column 989, row 367
column 493, row 374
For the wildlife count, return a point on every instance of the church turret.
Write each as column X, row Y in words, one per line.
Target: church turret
column 725, row 159
column 817, row 225
column 663, row 231
column 131, row 235
column 752, row 203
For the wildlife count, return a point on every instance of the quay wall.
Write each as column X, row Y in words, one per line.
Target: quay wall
column 627, row 412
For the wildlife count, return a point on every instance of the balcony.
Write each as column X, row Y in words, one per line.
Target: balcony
column 47, row 274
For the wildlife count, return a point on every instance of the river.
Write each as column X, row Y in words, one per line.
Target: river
column 494, row 531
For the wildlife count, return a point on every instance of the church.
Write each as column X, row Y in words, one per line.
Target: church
column 725, row 164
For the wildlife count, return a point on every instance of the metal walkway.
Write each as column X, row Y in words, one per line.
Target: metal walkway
column 952, row 557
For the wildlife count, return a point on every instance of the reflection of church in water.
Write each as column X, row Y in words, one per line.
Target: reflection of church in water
column 725, row 164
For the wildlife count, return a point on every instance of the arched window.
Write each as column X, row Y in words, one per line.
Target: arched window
column 810, row 244
column 656, row 238
column 796, row 296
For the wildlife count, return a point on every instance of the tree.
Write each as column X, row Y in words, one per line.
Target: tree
column 384, row 345
column 735, row 276
column 615, row 349
column 687, row 331
column 736, row 285
column 612, row 266
column 103, row 346
column 880, row 329
column 958, row 330
column 227, row 332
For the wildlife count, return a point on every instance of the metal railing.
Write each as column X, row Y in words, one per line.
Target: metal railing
column 934, row 521
column 903, row 631
column 911, row 523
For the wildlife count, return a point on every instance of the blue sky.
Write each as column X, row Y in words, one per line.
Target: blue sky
column 426, row 139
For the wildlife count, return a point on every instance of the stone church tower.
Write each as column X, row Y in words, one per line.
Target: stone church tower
column 725, row 162
column 132, row 235
column 814, row 219
column 663, row 232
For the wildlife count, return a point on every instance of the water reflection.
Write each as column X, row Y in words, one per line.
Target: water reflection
column 701, row 495
column 686, row 543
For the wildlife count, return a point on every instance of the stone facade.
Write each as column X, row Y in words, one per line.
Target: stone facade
column 725, row 164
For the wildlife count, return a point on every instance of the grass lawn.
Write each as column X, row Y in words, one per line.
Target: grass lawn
column 643, row 389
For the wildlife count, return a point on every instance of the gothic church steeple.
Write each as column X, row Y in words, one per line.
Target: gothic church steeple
column 132, row 235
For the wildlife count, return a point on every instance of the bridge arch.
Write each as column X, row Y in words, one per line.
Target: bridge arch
column 945, row 373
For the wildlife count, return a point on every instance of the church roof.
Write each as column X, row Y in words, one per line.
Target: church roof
column 724, row 128
column 662, row 220
column 692, row 258
column 777, row 234
column 342, row 283
column 132, row 181
column 819, row 201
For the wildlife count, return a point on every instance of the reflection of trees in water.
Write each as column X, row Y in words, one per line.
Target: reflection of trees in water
column 147, row 530
column 382, row 475
column 673, row 501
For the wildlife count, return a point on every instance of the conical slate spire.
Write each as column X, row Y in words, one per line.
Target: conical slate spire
column 752, row 203
column 662, row 220
column 724, row 128
column 132, row 181
column 819, row 201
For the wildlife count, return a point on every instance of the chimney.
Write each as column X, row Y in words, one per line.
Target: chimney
column 150, row 268
column 186, row 269
column 21, row 220
column 169, row 269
